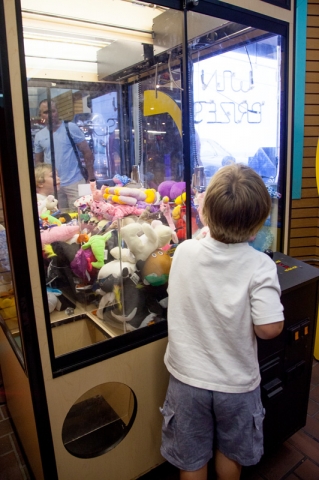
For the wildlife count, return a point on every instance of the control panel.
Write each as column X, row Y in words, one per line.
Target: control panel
column 286, row 361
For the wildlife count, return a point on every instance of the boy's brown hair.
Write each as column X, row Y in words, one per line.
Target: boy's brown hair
column 236, row 204
column 39, row 172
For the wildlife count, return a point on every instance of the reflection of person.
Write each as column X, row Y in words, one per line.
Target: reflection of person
column 44, row 179
column 44, row 182
column 230, row 293
column 65, row 158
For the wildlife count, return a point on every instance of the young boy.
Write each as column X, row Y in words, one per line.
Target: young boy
column 222, row 293
column 44, row 182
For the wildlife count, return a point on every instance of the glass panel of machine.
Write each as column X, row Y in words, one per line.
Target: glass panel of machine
column 109, row 158
column 236, row 76
column 9, row 314
column 107, row 154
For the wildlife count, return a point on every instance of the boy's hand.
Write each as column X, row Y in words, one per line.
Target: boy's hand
column 268, row 331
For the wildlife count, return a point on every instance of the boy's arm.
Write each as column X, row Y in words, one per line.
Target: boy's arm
column 269, row 330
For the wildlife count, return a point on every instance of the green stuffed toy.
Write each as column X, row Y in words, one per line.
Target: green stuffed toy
column 46, row 215
column 97, row 245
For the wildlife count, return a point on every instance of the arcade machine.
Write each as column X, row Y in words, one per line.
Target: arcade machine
column 167, row 107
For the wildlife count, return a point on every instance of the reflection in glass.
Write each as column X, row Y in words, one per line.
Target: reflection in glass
column 237, row 109
column 8, row 310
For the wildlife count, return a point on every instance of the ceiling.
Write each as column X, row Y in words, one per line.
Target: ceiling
column 61, row 38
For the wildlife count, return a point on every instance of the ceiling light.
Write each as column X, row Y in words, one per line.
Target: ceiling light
column 47, row 49
column 61, row 36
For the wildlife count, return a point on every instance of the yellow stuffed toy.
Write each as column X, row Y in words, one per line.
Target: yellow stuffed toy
column 129, row 196
column 8, row 306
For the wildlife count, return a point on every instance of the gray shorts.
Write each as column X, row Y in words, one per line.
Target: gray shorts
column 198, row 421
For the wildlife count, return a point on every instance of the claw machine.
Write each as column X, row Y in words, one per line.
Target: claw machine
column 150, row 100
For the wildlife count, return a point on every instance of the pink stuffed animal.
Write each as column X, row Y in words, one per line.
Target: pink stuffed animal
column 166, row 210
column 113, row 212
column 97, row 195
column 59, row 234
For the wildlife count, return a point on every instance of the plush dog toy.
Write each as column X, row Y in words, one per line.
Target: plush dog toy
column 49, row 204
column 120, row 306
column 143, row 239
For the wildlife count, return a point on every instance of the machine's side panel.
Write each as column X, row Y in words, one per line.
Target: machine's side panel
column 20, row 405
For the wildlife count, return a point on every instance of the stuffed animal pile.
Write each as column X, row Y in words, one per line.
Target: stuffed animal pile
column 116, row 251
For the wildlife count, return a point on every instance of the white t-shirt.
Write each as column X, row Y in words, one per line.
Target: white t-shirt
column 217, row 292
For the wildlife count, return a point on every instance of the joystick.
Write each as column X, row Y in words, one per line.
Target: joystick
column 269, row 252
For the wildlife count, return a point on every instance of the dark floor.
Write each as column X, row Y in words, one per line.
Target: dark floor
column 297, row 458
column 12, row 464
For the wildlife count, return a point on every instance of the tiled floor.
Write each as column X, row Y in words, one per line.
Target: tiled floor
column 12, row 464
column 296, row 459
